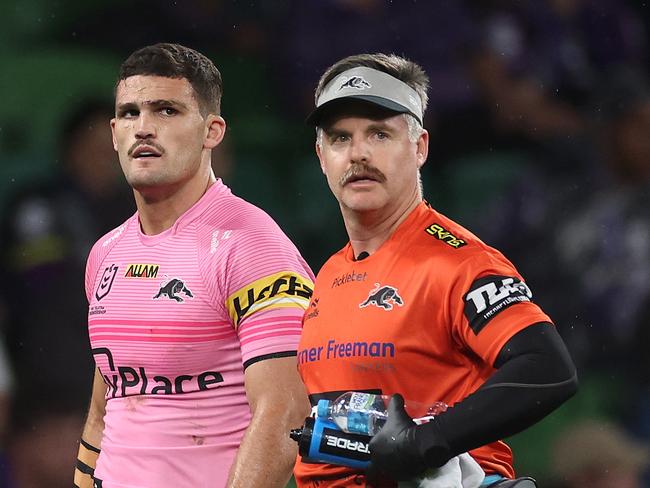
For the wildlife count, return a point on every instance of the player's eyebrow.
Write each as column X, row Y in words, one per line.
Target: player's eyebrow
column 123, row 107
column 165, row 103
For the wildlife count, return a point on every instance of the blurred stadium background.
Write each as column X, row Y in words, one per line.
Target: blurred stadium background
column 540, row 123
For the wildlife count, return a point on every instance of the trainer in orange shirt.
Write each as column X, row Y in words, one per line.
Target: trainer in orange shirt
column 415, row 305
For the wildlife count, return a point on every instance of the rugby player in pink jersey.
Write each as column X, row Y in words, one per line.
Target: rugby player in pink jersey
column 195, row 303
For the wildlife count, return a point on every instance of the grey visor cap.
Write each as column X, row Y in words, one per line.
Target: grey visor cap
column 372, row 86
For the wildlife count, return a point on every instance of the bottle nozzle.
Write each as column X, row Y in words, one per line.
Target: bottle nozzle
column 296, row 434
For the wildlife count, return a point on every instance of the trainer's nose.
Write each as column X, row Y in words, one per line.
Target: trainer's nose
column 359, row 151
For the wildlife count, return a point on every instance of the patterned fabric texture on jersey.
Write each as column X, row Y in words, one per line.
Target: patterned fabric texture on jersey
column 174, row 319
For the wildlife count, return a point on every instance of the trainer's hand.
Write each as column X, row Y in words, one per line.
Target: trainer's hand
column 394, row 450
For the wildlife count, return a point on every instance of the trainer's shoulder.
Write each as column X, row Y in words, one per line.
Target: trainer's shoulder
column 437, row 235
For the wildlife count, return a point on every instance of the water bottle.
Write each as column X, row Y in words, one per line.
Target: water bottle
column 322, row 441
column 365, row 413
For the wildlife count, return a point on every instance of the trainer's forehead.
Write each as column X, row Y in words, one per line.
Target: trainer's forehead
column 143, row 89
column 353, row 110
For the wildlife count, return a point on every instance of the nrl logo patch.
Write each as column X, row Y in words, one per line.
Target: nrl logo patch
column 172, row 288
column 383, row 297
column 106, row 282
column 357, row 82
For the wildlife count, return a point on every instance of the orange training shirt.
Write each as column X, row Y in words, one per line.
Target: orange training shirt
column 425, row 316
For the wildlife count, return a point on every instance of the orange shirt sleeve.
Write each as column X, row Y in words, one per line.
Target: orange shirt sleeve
column 490, row 303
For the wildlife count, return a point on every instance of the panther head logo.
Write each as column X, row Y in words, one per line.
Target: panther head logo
column 171, row 288
column 355, row 82
column 383, row 297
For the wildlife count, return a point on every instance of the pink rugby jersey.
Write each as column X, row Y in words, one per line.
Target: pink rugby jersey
column 174, row 319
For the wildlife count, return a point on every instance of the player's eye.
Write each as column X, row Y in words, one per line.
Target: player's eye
column 168, row 111
column 129, row 113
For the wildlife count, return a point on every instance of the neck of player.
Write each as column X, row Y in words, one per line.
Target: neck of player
column 160, row 207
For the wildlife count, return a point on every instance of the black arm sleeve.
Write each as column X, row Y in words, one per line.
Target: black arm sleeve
column 535, row 374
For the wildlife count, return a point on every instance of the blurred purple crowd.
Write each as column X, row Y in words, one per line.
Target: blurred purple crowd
column 540, row 144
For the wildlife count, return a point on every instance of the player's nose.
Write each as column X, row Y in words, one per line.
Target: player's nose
column 145, row 126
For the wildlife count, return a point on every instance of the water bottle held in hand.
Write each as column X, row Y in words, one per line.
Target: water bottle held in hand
column 365, row 413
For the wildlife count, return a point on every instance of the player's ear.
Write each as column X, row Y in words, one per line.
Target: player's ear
column 113, row 134
column 215, row 130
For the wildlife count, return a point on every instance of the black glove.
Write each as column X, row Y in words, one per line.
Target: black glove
column 402, row 450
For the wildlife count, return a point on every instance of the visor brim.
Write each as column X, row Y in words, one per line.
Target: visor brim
column 319, row 113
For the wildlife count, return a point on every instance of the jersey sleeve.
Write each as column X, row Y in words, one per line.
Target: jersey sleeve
column 96, row 256
column 268, row 287
column 489, row 303
column 91, row 272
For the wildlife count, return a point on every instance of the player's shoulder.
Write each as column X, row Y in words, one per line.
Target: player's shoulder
column 108, row 241
column 225, row 212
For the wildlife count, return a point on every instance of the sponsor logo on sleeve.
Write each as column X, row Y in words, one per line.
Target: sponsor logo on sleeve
column 490, row 295
column 286, row 289
column 442, row 234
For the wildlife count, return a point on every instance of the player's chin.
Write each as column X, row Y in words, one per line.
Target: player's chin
column 143, row 180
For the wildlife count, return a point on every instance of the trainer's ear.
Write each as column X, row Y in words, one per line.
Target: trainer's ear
column 319, row 153
column 422, row 150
